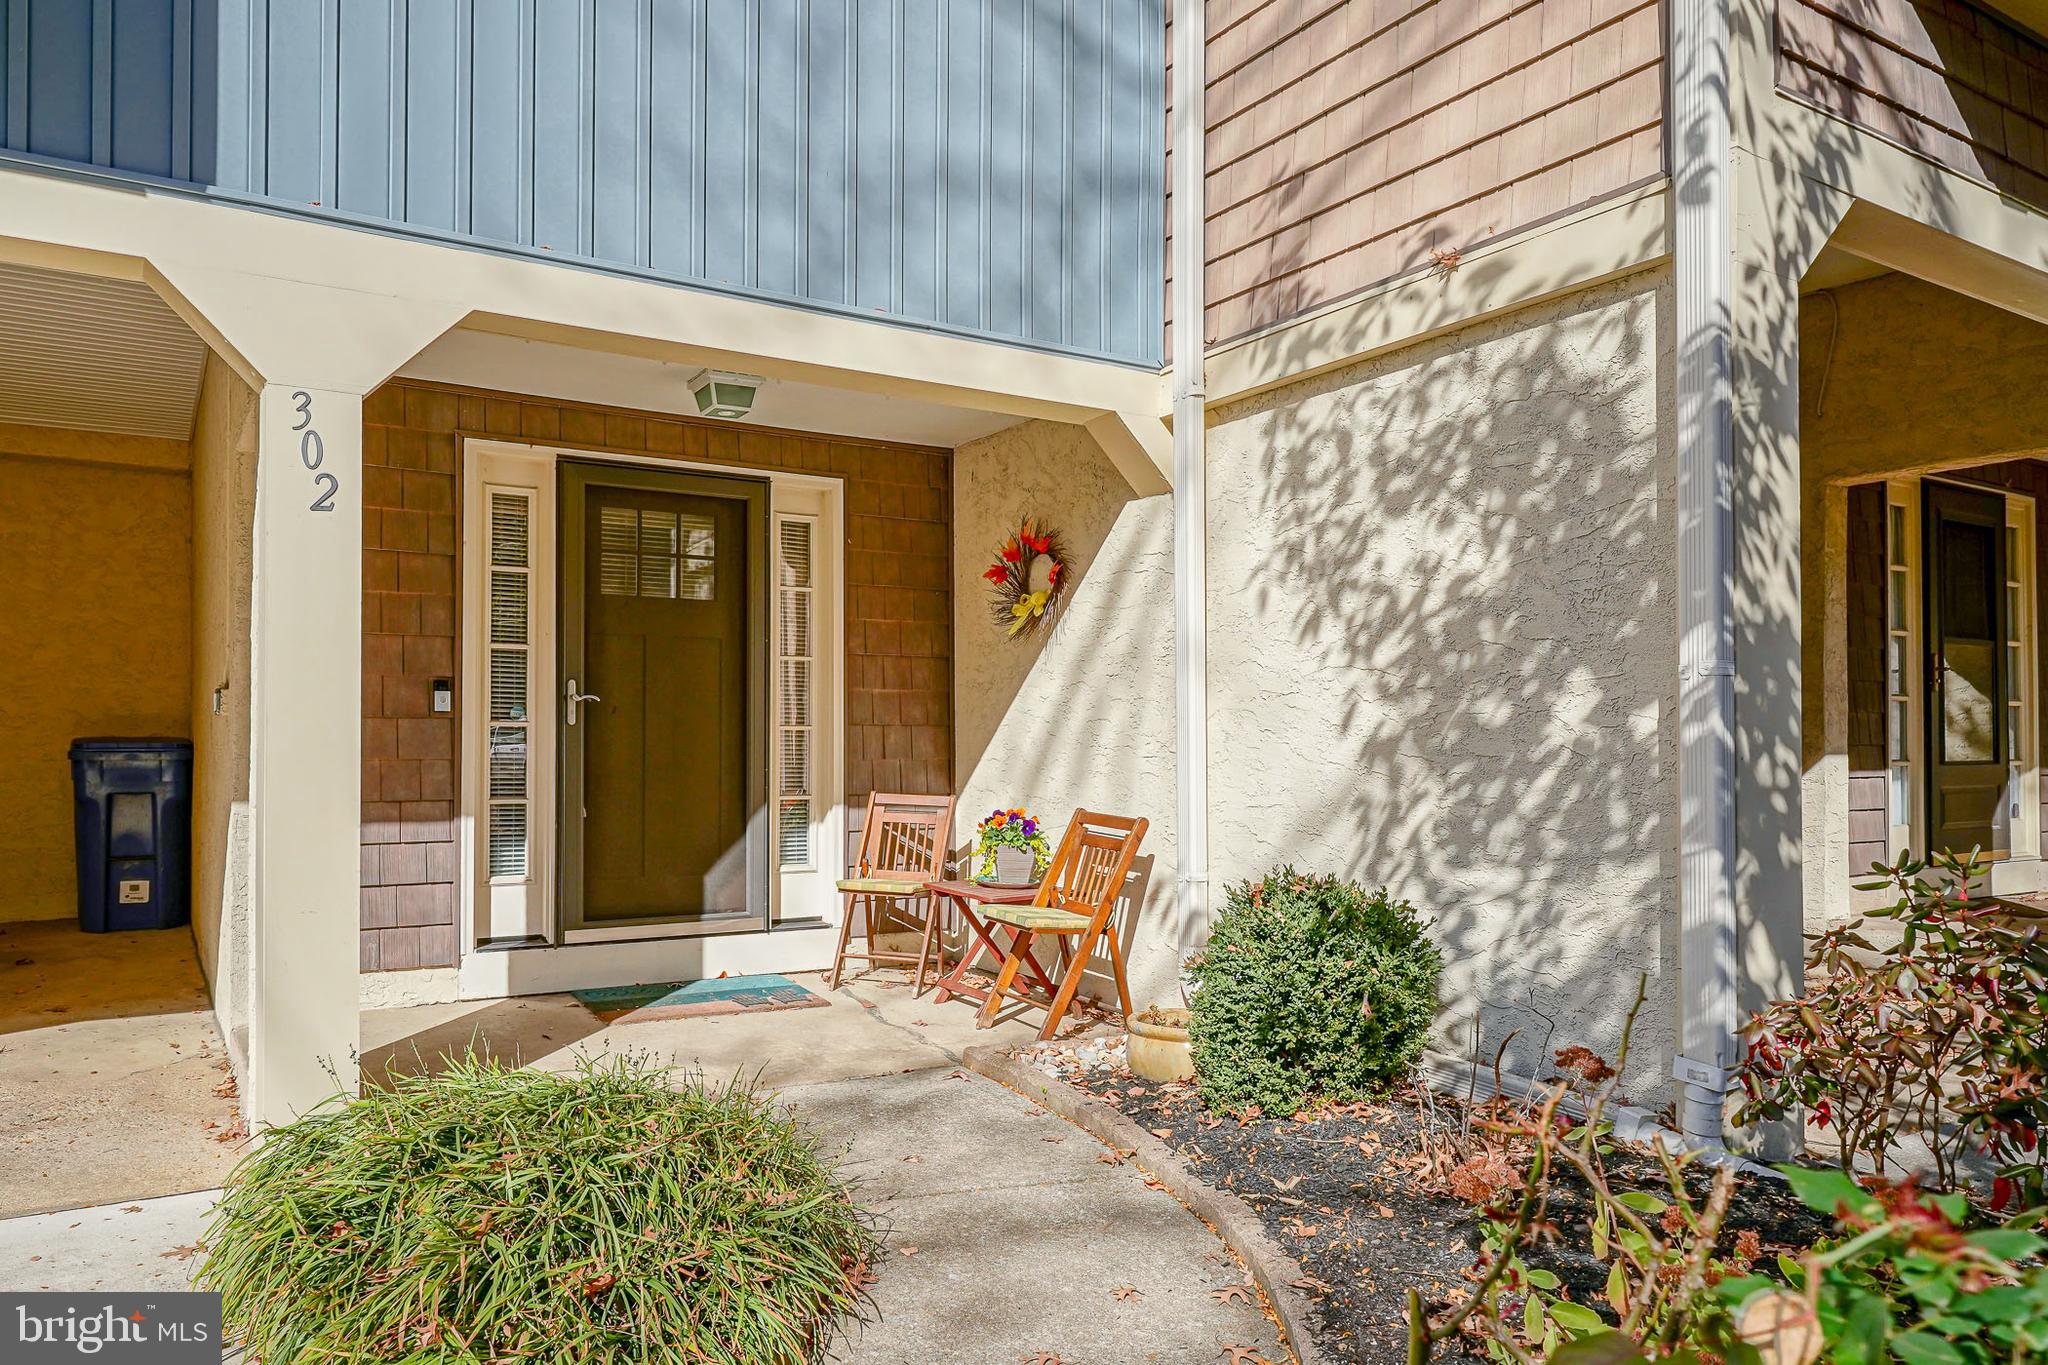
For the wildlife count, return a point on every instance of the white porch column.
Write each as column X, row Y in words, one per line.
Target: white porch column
column 1778, row 229
column 311, row 353
column 1769, row 776
column 306, row 649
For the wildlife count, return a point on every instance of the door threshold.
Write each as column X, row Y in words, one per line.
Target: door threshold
column 747, row 923
column 511, row 941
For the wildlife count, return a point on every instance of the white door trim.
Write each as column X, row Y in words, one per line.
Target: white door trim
column 1905, row 754
column 1906, row 770
column 2025, row 702
column 518, row 907
column 818, row 497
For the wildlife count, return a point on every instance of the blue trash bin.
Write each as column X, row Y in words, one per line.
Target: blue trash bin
column 133, row 810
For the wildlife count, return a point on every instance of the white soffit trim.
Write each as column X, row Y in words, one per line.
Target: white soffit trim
column 92, row 354
column 1601, row 242
column 489, row 360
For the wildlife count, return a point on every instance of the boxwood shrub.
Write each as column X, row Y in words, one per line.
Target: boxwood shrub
column 1310, row 989
column 608, row 1216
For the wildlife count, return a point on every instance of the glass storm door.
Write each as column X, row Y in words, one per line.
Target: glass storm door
column 1967, row 688
column 664, row 681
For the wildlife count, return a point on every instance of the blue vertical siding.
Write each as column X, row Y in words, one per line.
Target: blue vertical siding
column 988, row 166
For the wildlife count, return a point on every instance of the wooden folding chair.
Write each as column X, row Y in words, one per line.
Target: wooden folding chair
column 1074, row 905
column 902, row 846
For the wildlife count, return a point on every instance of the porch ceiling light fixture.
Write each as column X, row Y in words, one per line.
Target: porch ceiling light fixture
column 721, row 393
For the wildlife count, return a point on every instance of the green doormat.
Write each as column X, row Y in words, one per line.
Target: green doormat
column 684, row 1000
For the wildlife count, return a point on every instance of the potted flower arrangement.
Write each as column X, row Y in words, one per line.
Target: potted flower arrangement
column 1009, row 849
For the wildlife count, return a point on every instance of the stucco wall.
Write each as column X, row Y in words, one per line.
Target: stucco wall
column 96, row 635
column 1082, row 717
column 1442, row 643
column 223, row 531
column 1896, row 373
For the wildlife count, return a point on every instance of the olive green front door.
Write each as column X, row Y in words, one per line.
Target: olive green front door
column 663, row 704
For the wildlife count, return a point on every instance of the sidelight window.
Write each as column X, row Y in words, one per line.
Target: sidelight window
column 1902, row 721
column 795, row 719
column 509, row 681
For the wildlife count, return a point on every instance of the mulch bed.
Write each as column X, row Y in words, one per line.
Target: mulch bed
column 1339, row 1191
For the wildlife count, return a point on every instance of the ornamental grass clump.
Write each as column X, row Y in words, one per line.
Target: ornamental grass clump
column 1310, row 990
column 608, row 1216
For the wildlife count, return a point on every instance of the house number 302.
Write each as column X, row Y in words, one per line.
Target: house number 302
column 312, row 451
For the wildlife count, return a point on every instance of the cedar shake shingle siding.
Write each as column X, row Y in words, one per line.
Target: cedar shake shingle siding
column 897, row 603
column 1350, row 140
column 1951, row 81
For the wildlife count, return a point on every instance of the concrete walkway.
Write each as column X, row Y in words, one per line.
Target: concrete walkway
column 113, row 1079
column 1008, row 1236
column 1022, row 1236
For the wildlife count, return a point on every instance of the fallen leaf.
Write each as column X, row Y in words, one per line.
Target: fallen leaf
column 906, row 1251
column 913, row 1158
column 1245, row 1355
column 1382, row 1210
column 133, row 1208
column 183, row 1253
column 1050, row 1137
column 1125, row 1293
column 1043, row 1358
column 1285, row 1185
column 1234, row 1293
column 1160, row 1132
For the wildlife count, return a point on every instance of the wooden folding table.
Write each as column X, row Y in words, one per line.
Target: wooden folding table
column 966, row 896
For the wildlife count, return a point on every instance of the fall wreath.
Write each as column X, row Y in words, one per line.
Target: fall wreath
column 1027, row 580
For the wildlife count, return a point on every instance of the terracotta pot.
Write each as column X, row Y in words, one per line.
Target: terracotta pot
column 1158, row 1048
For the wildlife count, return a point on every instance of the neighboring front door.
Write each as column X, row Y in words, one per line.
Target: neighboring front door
column 664, row 648
column 1964, row 541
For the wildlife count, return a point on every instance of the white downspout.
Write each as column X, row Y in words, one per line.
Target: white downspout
column 1702, row 224
column 1190, row 469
